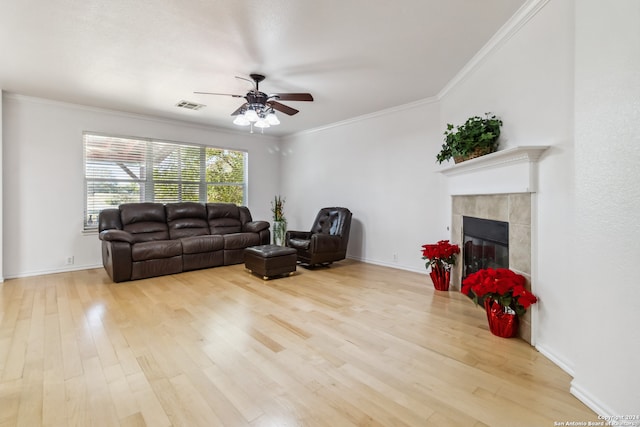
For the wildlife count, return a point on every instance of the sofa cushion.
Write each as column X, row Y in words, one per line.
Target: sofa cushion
column 199, row 244
column 109, row 219
column 155, row 250
column 145, row 221
column 156, row 267
column 223, row 218
column 245, row 214
column 241, row 240
column 186, row 219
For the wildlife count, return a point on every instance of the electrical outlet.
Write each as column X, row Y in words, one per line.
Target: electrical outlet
column 70, row 260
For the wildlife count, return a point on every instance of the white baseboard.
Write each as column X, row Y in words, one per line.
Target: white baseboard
column 64, row 269
column 388, row 264
column 594, row 404
column 562, row 364
column 575, row 388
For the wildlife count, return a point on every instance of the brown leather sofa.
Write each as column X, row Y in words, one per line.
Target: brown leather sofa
column 327, row 241
column 141, row 240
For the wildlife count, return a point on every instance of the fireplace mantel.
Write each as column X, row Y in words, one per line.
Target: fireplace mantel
column 513, row 170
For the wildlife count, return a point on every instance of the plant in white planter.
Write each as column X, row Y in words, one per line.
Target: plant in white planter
column 279, row 221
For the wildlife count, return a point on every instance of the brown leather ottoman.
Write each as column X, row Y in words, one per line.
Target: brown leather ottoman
column 270, row 260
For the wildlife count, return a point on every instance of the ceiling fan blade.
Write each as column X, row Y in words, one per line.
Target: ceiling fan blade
column 223, row 94
column 282, row 108
column 240, row 109
column 292, row 96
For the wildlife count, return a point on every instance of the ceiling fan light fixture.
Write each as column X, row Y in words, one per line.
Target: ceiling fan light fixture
column 251, row 115
column 259, row 110
column 241, row 120
column 262, row 123
column 272, row 119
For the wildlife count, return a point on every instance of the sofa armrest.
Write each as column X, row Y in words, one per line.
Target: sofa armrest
column 256, row 226
column 325, row 243
column 116, row 258
column 116, row 236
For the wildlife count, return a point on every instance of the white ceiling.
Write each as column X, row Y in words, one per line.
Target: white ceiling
column 144, row 56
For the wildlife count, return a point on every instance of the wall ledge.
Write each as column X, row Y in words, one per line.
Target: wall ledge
column 512, row 170
column 528, row 153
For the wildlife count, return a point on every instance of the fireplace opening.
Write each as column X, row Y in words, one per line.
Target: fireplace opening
column 485, row 244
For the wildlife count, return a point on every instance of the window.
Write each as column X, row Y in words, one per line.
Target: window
column 123, row 170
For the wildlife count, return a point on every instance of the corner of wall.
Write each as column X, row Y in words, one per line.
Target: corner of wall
column 1, row 192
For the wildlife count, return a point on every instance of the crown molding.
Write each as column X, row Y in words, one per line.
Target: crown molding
column 124, row 114
column 380, row 113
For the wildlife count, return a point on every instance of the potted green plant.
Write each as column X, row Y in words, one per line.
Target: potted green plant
column 476, row 137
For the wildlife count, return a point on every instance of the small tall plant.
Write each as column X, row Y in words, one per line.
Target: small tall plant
column 277, row 207
column 279, row 221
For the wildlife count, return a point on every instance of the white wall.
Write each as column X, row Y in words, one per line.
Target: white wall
column 383, row 169
column 44, row 177
column 607, row 301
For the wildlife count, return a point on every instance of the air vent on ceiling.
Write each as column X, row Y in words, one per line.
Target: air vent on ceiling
column 190, row 105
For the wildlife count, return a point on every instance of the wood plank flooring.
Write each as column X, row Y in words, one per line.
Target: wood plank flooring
column 350, row 345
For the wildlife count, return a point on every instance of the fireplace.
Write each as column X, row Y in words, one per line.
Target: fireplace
column 508, row 245
column 485, row 244
column 500, row 186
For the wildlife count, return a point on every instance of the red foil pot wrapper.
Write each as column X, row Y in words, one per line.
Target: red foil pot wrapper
column 440, row 277
column 501, row 324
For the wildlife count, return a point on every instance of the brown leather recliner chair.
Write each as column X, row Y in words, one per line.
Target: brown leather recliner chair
column 327, row 240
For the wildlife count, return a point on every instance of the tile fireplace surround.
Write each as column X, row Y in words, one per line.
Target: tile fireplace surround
column 514, row 208
column 499, row 186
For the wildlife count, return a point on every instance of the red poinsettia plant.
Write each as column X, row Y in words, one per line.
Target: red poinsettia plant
column 500, row 285
column 442, row 254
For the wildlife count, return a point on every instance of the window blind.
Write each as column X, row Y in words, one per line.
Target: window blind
column 124, row 170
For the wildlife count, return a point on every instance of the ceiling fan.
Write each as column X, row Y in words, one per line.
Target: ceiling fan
column 259, row 108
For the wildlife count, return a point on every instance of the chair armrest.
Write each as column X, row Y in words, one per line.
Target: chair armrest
column 256, row 226
column 292, row 234
column 325, row 243
column 116, row 236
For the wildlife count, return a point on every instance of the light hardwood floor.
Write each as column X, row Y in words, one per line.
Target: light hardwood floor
column 351, row 345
